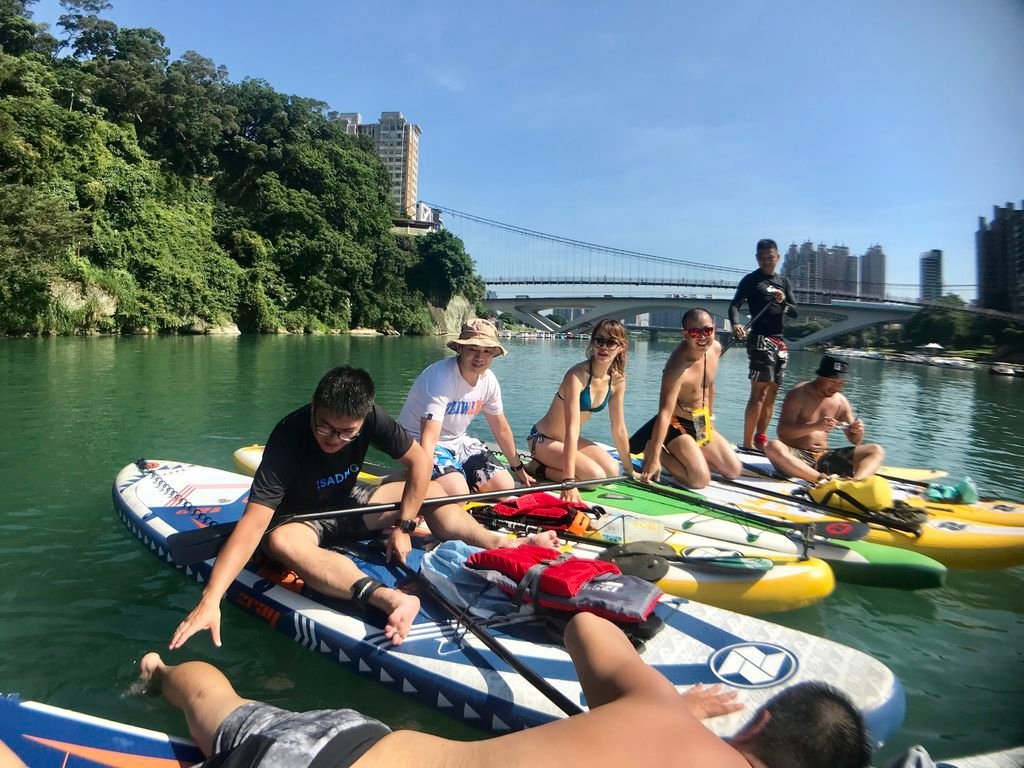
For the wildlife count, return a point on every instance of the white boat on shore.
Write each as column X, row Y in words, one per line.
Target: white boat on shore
column 1005, row 369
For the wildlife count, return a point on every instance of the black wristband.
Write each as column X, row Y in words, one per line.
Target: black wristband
column 363, row 589
column 407, row 526
column 515, row 468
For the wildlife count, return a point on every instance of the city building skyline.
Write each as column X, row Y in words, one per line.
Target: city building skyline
column 819, row 271
column 931, row 275
column 999, row 249
column 397, row 142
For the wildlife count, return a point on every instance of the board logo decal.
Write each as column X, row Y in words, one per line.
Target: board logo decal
column 753, row 665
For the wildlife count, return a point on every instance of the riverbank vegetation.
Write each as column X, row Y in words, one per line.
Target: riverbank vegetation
column 139, row 193
column 967, row 334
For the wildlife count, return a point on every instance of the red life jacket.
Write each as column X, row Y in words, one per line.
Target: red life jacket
column 549, row 579
column 541, row 509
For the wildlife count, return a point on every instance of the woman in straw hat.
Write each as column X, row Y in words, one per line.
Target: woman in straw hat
column 443, row 401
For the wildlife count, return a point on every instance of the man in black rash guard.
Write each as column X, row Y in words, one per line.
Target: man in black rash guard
column 763, row 290
column 310, row 464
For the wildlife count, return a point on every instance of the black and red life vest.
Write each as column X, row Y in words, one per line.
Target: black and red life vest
column 548, row 579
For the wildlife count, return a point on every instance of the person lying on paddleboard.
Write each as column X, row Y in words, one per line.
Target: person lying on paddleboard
column 587, row 388
column 810, row 411
column 310, row 464
column 681, row 436
column 443, row 401
column 636, row 718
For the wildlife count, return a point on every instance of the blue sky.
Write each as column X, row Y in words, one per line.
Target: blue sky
column 681, row 129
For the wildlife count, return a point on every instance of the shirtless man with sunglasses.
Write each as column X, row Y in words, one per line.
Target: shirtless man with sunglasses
column 687, row 386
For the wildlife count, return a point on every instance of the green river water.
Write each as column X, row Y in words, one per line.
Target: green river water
column 81, row 599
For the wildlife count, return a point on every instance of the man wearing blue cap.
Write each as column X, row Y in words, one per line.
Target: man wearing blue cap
column 810, row 411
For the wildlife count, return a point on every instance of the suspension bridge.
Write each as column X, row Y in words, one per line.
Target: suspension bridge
column 586, row 282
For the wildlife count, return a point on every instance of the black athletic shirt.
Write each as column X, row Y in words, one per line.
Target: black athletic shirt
column 753, row 289
column 296, row 476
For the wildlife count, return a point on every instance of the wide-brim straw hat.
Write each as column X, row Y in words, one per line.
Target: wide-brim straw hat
column 478, row 333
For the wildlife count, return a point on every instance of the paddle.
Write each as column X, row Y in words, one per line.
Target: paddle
column 748, row 326
column 725, row 559
column 844, row 531
column 464, row 618
column 189, row 547
column 866, row 516
column 840, row 531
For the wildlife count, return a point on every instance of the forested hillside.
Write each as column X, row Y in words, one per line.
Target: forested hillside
column 140, row 193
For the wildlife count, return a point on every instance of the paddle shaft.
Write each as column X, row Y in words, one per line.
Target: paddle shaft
column 519, row 527
column 748, row 326
column 189, row 547
column 464, row 618
column 805, row 529
column 864, row 517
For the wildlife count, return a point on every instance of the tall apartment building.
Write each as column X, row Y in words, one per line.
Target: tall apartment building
column 931, row 275
column 872, row 273
column 820, row 272
column 804, row 267
column 398, row 143
column 1000, row 251
column 841, row 271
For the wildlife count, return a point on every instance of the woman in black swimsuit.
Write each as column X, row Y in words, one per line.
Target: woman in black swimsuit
column 599, row 381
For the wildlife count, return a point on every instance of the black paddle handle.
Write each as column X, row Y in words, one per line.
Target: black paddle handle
column 556, row 697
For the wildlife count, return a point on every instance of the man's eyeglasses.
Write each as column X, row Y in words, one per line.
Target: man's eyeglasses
column 696, row 333
column 604, row 341
column 344, row 435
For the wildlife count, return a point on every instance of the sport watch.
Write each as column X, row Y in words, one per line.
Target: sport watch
column 407, row 526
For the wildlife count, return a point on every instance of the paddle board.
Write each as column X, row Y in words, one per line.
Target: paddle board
column 440, row 663
column 856, row 562
column 917, row 757
column 50, row 737
column 986, row 511
column 792, row 582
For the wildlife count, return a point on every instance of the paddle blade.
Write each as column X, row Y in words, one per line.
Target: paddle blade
column 191, row 547
column 842, row 530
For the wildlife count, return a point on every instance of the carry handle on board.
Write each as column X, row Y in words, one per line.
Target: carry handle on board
column 190, row 547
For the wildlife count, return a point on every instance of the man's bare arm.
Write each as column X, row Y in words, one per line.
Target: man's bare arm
column 232, row 558
column 607, row 665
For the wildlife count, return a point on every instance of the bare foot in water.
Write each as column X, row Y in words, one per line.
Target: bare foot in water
column 151, row 667
column 401, row 609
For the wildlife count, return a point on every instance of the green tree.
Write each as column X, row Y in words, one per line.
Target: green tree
column 445, row 269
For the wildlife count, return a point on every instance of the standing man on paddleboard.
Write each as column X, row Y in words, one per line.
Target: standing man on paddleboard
column 443, row 401
column 810, row 411
column 310, row 464
column 681, row 436
column 769, row 296
column 636, row 717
